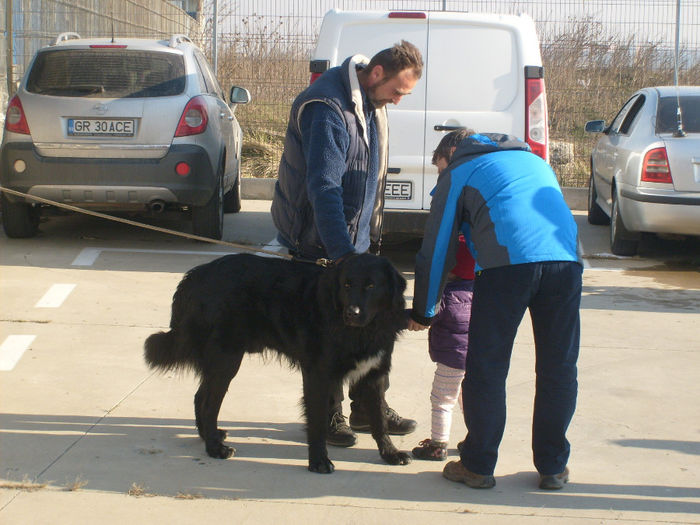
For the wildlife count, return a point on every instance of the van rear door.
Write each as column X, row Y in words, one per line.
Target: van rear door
column 346, row 33
column 475, row 79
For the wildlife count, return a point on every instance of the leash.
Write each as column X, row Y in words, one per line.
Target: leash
column 319, row 262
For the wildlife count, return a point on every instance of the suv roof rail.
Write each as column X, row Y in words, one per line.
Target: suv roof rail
column 177, row 39
column 66, row 36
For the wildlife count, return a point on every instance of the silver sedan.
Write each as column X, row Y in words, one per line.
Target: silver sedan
column 645, row 168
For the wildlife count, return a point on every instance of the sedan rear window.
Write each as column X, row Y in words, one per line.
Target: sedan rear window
column 667, row 119
column 107, row 73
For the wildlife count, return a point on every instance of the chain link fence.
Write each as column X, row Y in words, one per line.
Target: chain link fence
column 596, row 53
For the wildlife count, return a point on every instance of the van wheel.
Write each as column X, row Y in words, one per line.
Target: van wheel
column 596, row 215
column 208, row 220
column 19, row 219
column 232, row 198
column 622, row 241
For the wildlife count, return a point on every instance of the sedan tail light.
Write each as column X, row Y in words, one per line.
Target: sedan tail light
column 655, row 167
column 15, row 119
column 194, row 118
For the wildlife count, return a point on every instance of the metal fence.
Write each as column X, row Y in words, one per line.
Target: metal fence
column 31, row 24
column 595, row 52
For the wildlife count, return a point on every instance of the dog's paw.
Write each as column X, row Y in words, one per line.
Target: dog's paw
column 220, row 451
column 396, row 458
column 321, row 466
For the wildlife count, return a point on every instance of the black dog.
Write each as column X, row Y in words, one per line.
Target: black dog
column 333, row 323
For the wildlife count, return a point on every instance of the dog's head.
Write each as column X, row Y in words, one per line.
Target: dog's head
column 365, row 285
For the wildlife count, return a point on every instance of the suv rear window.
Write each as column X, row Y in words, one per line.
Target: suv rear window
column 667, row 120
column 107, row 73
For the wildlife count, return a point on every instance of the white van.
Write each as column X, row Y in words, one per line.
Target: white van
column 481, row 71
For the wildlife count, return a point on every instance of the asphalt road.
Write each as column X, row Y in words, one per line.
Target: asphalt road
column 87, row 431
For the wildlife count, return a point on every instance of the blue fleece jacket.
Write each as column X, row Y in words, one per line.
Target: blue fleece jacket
column 507, row 202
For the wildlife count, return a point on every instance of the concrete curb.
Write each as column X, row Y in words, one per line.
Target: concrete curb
column 262, row 189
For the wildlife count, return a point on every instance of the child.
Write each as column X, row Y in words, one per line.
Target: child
column 449, row 332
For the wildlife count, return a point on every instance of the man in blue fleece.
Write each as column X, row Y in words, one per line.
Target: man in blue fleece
column 329, row 196
column 508, row 204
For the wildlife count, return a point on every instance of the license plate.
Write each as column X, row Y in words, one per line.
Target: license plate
column 399, row 190
column 89, row 127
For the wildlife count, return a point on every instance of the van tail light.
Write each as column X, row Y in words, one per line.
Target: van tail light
column 15, row 120
column 314, row 77
column 194, row 118
column 655, row 167
column 536, row 129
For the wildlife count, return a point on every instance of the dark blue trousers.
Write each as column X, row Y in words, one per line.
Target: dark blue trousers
column 552, row 292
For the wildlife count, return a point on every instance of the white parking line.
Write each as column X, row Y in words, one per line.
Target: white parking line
column 88, row 256
column 12, row 349
column 55, row 296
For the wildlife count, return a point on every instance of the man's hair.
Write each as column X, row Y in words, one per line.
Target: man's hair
column 393, row 60
column 451, row 140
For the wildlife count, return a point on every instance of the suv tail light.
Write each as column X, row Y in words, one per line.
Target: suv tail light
column 655, row 167
column 15, row 120
column 194, row 118
column 536, row 132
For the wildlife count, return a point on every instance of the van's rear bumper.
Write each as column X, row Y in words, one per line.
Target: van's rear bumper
column 109, row 183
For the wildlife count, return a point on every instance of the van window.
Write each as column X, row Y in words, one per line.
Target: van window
column 479, row 68
column 107, row 73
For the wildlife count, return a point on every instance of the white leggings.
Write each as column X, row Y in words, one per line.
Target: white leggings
column 447, row 385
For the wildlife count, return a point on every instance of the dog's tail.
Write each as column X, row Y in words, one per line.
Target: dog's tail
column 160, row 351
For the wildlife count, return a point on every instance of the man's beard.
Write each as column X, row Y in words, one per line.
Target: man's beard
column 371, row 95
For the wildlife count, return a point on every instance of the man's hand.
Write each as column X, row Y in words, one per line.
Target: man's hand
column 415, row 326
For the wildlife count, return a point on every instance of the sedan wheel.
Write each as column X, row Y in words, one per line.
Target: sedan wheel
column 596, row 215
column 622, row 241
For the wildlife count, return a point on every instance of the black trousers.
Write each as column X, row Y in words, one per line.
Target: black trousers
column 552, row 293
column 355, row 392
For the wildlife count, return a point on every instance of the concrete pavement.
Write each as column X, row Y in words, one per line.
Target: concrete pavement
column 88, row 433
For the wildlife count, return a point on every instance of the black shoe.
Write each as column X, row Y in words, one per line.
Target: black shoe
column 339, row 433
column 432, row 450
column 554, row 481
column 397, row 425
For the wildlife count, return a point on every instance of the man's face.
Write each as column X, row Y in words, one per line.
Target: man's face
column 382, row 90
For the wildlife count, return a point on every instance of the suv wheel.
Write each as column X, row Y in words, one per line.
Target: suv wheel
column 596, row 215
column 232, row 198
column 19, row 219
column 208, row 220
column 622, row 241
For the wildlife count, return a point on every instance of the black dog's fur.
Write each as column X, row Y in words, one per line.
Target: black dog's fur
column 333, row 323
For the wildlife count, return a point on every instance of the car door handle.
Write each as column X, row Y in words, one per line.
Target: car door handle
column 440, row 127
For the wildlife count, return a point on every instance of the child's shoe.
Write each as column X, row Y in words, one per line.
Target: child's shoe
column 432, row 450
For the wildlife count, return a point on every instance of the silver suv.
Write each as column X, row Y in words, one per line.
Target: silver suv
column 122, row 124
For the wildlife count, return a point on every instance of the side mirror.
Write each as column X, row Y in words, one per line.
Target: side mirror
column 595, row 126
column 239, row 95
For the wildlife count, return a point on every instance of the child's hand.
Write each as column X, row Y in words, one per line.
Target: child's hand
column 415, row 327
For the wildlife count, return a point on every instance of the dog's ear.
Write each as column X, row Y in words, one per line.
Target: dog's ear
column 329, row 288
column 398, row 285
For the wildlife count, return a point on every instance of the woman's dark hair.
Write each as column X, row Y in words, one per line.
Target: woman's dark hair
column 451, row 140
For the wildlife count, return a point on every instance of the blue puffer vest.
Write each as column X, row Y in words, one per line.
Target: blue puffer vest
column 291, row 210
